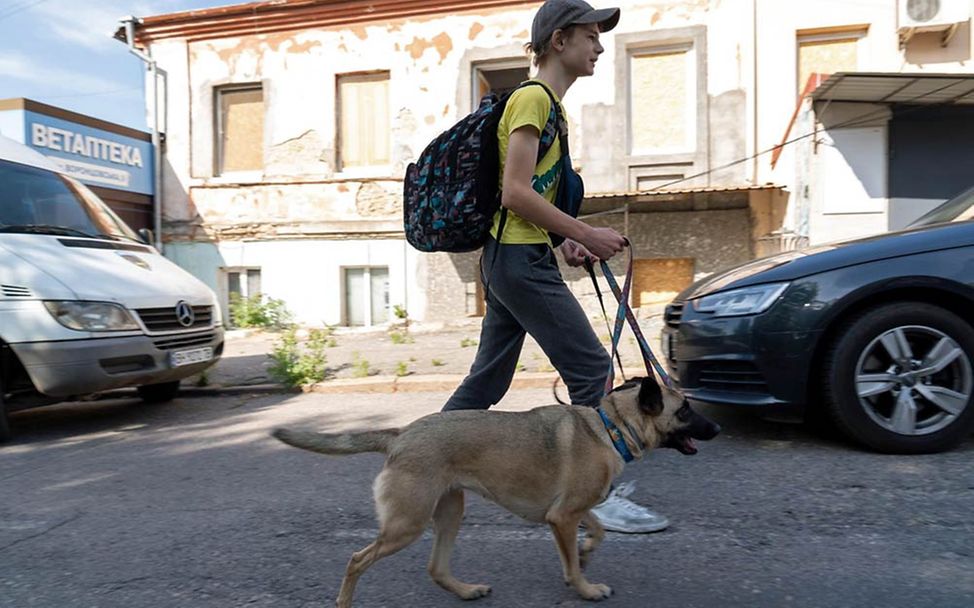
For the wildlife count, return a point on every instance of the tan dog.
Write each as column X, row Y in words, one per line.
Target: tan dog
column 548, row 465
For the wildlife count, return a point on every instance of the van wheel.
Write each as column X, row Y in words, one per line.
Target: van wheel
column 4, row 421
column 899, row 378
column 159, row 393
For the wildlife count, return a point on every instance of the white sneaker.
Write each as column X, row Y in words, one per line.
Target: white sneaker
column 619, row 514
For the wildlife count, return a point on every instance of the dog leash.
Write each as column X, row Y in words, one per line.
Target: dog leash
column 605, row 315
column 624, row 314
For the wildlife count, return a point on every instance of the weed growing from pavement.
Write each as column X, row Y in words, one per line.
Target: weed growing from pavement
column 400, row 312
column 437, row 363
column 398, row 337
column 203, row 379
column 360, row 366
column 329, row 333
column 465, row 342
column 402, row 369
column 259, row 311
column 294, row 364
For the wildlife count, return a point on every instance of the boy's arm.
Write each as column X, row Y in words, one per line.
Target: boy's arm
column 521, row 198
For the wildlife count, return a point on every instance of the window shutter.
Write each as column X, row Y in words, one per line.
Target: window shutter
column 242, row 130
column 660, row 101
column 364, row 119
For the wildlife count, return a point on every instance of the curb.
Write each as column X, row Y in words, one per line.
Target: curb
column 373, row 384
column 422, row 383
column 202, row 391
column 235, row 389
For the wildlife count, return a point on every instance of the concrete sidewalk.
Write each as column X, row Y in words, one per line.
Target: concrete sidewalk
column 422, row 357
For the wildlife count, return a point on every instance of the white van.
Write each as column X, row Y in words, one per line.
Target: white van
column 85, row 304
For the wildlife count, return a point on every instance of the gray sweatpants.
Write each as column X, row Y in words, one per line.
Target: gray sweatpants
column 528, row 295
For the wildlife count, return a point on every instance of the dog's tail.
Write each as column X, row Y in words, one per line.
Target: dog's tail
column 338, row 443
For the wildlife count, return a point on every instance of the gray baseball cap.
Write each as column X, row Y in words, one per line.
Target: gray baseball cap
column 559, row 14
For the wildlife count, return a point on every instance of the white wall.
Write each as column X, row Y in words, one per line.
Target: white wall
column 307, row 274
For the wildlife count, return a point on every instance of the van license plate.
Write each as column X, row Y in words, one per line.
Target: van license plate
column 188, row 357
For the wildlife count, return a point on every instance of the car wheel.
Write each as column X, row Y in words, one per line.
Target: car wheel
column 159, row 393
column 899, row 378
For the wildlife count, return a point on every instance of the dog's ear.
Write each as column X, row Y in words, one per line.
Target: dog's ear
column 651, row 397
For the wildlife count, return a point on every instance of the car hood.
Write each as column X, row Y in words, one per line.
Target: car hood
column 135, row 277
column 792, row 265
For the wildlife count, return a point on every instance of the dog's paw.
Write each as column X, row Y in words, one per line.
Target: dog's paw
column 595, row 592
column 473, row 592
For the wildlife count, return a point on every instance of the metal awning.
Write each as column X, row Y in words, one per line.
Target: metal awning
column 878, row 87
column 693, row 198
column 648, row 194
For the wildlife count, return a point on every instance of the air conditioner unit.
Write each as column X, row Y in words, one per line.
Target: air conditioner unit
column 917, row 16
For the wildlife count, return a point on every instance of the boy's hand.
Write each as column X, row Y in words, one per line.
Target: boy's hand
column 603, row 243
column 574, row 253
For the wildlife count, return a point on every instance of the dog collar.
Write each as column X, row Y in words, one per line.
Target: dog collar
column 616, row 436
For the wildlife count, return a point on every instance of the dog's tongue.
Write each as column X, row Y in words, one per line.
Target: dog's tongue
column 689, row 447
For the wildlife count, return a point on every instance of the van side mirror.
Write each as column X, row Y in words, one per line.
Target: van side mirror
column 147, row 237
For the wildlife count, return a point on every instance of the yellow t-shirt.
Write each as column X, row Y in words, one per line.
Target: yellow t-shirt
column 528, row 106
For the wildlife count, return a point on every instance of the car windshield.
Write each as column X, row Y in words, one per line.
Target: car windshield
column 39, row 201
column 957, row 209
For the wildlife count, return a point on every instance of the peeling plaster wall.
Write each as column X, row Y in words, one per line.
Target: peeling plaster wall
column 302, row 192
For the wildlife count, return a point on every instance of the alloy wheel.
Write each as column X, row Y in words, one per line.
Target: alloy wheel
column 914, row 380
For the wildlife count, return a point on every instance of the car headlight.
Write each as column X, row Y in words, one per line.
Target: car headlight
column 744, row 301
column 217, row 313
column 91, row 316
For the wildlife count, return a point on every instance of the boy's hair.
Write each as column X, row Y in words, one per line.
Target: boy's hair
column 538, row 51
column 564, row 15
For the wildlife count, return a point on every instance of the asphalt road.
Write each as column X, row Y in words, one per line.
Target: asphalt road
column 116, row 503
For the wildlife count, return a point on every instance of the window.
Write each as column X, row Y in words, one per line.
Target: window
column 366, row 296
column 244, row 282
column 498, row 78
column 239, row 283
column 662, row 100
column 827, row 53
column 363, row 120
column 240, row 129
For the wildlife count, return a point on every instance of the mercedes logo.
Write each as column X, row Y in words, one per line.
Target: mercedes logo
column 184, row 314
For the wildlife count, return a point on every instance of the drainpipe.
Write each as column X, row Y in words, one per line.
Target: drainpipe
column 129, row 23
column 754, row 51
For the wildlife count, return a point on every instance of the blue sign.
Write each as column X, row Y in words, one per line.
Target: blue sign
column 90, row 155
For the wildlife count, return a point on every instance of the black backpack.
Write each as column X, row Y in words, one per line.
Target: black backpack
column 450, row 194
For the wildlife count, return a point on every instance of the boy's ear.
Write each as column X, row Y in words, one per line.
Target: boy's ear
column 651, row 397
column 558, row 39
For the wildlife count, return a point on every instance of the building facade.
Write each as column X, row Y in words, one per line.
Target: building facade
column 878, row 132
column 290, row 125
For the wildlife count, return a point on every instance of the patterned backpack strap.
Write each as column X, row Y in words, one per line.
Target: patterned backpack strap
column 556, row 126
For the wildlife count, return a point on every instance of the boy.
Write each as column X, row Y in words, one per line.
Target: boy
column 526, row 292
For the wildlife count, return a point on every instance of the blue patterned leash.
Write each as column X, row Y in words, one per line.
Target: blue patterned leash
column 623, row 314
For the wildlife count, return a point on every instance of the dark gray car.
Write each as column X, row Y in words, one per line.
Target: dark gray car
column 879, row 332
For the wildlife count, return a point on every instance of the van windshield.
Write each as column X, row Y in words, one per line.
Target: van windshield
column 40, row 201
